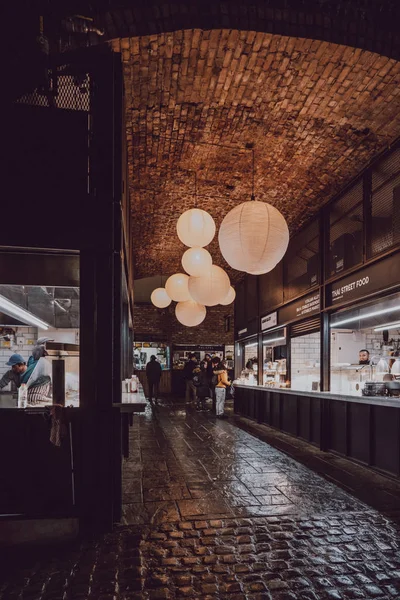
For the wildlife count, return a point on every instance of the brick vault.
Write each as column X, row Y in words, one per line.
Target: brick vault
column 316, row 112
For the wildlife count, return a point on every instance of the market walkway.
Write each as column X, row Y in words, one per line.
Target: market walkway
column 212, row 512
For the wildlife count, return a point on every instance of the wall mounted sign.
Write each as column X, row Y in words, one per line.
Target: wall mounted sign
column 198, row 348
column 269, row 321
column 305, row 307
column 242, row 331
column 379, row 276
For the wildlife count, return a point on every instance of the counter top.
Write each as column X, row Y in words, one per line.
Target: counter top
column 376, row 400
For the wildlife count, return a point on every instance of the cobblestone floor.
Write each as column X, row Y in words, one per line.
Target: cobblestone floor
column 212, row 512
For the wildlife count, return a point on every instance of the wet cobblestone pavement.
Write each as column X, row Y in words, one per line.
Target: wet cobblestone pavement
column 212, row 512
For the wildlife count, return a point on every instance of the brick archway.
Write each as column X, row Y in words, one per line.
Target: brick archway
column 361, row 24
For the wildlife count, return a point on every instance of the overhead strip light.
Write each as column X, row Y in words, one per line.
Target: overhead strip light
column 251, row 345
column 366, row 316
column 388, row 326
column 13, row 310
column 274, row 340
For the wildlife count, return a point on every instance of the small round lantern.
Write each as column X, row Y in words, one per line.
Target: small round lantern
column 196, row 261
column 177, row 287
column 230, row 297
column 210, row 289
column 195, row 227
column 160, row 298
column 190, row 313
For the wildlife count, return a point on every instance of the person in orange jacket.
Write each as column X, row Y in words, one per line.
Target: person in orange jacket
column 223, row 382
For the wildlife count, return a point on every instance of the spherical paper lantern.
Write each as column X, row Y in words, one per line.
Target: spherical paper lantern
column 196, row 261
column 230, row 297
column 210, row 289
column 160, row 298
column 190, row 313
column 253, row 237
column 177, row 287
column 195, row 227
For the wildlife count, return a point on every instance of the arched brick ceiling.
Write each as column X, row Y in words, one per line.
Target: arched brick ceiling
column 316, row 113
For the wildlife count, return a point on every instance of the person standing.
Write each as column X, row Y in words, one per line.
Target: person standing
column 188, row 369
column 220, row 389
column 214, row 379
column 153, row 374
column 200, row 380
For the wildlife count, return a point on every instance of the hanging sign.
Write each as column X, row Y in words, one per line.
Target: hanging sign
column 379, row 276
column 269, row 321
column 305, row 307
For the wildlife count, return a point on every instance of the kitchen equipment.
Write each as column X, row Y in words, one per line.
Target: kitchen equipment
column 375, row 388
column 393, row 388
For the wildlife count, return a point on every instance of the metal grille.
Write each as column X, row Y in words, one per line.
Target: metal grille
column 72, row 93
column 305, row 327
column 346, row 217
column 301, row 269
column 385, row 204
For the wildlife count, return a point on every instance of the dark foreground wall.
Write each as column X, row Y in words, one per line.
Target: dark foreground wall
column 366, row 431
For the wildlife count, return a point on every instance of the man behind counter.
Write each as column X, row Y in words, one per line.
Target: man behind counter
column 18, row 372
column 363, row 357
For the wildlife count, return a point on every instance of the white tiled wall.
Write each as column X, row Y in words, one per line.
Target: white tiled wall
column 305, row 359
column 29, row 335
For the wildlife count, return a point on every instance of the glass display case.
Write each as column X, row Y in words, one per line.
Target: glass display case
column 275, row 359
column 365, row 344
column 144, row 350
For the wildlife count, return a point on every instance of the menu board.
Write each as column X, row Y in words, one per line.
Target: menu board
column 305, row 307
column 379, row 276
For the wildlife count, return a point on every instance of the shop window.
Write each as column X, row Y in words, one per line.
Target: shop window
column 305, row 358
column 275, row 359
column 301, row 262
column 365, row 348
column 248, row 353
column 29, row 313
column 346, row 231
column 143, row 351
column 385, row 204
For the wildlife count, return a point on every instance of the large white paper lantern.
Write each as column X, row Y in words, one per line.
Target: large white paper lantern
column 195, row 227
column 253, row 237
column 196, row 261
column 230, row 297
column 210, row 289
column 177, row 287
column 190, row 313
column 160, row 298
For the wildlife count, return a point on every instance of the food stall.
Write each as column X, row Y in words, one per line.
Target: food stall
column 335, row 308
column 142, row 352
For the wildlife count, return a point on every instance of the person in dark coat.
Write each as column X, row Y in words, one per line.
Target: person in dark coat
column 200, row 380
column 153, row 374
column 188, row 369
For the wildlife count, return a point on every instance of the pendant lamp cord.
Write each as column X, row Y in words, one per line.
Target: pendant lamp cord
column 195, row 189
column 253, row 197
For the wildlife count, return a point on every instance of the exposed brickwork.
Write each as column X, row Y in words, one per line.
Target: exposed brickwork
column 369, row 25
column 317, row 112
column 163, row 325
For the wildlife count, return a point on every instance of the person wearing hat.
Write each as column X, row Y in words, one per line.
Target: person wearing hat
column 17, row 371
column 39, row 349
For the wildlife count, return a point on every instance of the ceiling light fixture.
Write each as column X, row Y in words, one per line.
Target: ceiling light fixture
column 13, row 310
column 253, row 236
column 376, row 313
column 388, row 326
column 274, row 340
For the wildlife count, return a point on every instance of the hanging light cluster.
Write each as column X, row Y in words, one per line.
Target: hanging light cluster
column 253, row 238
column 204, row 284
